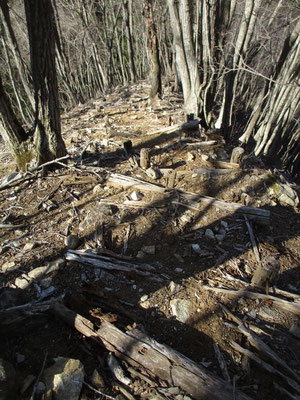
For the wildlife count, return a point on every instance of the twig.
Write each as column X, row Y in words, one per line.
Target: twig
column 39, row 377
column 98, row 391
column 252, row 238
column 222, row 362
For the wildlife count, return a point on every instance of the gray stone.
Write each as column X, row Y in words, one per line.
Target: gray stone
column 65, row 378
column 180, row 309
column 209, row 234
column 72, row 242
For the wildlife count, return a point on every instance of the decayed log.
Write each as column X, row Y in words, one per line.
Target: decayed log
column 236, row 155
column 195, row 201
column 199, row 171
column 190, row 200
column 279, row 303
column 144, row 158
column 223, row 164
column 158, row 360
column 109, row 263
column 268, row 367
column 266, row 272
column 264, row 348
column 129, row 182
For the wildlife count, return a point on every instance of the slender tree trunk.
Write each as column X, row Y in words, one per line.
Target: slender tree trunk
column 127, row 8
column 153, row 49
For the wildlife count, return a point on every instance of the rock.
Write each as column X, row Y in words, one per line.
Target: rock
column 178, row 270
column 180, row 309
column 65, row 378
column 224, row 224
column 8, row 381
column 190, row 157
column 209, row 234
column 98, row 189
column 97, row 380
column 173, row 287
column 144, row 298
column 196, row 248
column 39, row 274
column 220, row 237
column 8, row 265
column 148, row 250
column 140, row 255
column 29, row 246
column 136, row 196
column 72, row 242
column 152, row 173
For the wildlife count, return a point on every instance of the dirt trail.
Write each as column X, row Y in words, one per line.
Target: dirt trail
column 189, row 248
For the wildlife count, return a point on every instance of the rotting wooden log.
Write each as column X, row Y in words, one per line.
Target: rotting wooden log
column 236, row 155
column 129, row 182
column 199, row 144
column 108, row 263
column 266, row 272
column 144, row 158
column 223, row 164
column 196, row 202
column 158, row 360
column 190, row 200
column 264, row 348
column 167, row 129
column 279, row 303
column 268, row 367
column 199, row 171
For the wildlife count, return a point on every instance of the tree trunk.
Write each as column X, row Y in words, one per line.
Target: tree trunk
column 153, row 49
column 186, row 62
column 42, row 38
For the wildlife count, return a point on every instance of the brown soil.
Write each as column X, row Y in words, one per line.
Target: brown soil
column 175, row 231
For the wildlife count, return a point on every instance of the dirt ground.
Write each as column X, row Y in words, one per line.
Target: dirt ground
column 174, row 239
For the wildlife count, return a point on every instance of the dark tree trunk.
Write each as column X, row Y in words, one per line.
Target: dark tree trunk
column 43, row 38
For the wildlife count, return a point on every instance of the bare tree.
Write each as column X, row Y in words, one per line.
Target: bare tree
column 153, row 49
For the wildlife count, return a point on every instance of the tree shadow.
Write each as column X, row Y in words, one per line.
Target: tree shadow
column 173, row 234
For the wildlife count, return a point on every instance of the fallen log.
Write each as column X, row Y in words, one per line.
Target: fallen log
column 187, row 199
column 284, row 305
column 158, row 360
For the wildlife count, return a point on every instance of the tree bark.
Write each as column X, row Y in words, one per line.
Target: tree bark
column 153, row 50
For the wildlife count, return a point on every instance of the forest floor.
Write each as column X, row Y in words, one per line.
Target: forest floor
column 190, row 250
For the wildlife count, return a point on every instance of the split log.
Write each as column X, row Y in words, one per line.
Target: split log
column 111, row 264
column 158, row 360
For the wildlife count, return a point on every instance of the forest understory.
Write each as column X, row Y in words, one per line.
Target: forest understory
column 166, row 245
